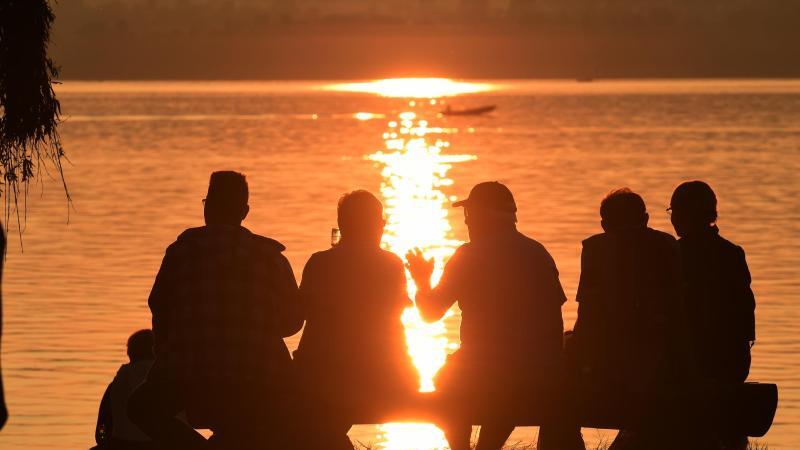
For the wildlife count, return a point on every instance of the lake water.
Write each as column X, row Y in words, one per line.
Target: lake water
column 141, row 154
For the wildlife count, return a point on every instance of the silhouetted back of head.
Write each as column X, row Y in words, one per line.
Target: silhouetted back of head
column 623, row 209
column 693, row 206
column 226, row 201
column 360, row 217
column 140, row 346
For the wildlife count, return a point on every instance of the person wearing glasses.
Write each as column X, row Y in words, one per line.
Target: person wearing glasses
column 720, row 303
column 222, row 302
column 353, row 353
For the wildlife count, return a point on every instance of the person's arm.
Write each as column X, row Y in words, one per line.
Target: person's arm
column 433, row 303
column 290, row 316
column 588, row 313
column 681, row 339
column 305, row 291
column 159, row 299
column 558, row 295
column 401, row 287
column 105, row 424
column 744, row 297
column 588, row 290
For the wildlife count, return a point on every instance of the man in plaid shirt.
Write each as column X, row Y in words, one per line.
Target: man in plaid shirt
column 222, row 303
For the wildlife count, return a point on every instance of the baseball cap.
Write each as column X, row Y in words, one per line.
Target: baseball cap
column 490, row 195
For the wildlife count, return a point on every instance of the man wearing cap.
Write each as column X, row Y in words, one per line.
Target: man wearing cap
column 507, row 287
column 720, row 303
column 222, row 303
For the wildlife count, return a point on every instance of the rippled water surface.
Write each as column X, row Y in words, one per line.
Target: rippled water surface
column 141, row 154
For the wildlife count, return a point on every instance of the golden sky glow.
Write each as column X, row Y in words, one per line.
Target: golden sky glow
column 413, row 87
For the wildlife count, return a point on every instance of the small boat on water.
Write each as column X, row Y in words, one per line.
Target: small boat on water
column 448, row 111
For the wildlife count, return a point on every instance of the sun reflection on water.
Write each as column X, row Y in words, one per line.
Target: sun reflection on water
column 414, row 173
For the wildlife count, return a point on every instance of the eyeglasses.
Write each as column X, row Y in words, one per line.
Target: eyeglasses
column 671, row 211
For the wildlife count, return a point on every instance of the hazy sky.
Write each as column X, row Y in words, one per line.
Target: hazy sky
column 464, row 38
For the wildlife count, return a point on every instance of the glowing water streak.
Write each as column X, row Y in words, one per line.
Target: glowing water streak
column 414, row 172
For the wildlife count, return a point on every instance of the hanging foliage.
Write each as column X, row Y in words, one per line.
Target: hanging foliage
column 29, row 140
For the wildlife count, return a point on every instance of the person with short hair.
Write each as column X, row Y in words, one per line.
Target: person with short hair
column 507, row 287
column 720, row 303
column 222, row 302
column 352, row 354
column 629, row 340
column 114, row 430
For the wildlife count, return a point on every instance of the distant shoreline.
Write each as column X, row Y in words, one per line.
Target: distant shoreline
column 495, row 87
column 359, row 51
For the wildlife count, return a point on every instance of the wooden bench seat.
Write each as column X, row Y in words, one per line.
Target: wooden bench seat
column 746, row 408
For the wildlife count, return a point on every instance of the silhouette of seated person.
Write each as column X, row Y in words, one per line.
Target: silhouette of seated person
column 352, row 354
column 222, row 302
column 507, row 287
column 114, row 431
column 630, row 337
column 720, row 303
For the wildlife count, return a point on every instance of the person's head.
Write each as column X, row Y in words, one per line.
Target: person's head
column 140, row 346
column 622, row 210
column 489, row 209
column 226, row 201
column 360, row 218
column 693, row 208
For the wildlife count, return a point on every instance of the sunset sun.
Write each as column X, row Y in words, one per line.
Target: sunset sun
column 413, row 87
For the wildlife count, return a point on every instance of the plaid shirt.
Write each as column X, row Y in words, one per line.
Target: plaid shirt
column 222, row 302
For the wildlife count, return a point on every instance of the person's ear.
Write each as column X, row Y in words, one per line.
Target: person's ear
column 713, row 218
column 646, row 219
column 604, row 225
column 245, row 211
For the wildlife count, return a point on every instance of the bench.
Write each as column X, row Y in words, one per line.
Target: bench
column 747, row 408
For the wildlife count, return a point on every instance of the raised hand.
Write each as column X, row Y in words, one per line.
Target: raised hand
column 420, row 268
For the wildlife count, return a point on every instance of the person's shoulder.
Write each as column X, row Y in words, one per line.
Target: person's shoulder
column 464, row 247
column 322, row 258
column 123, row 371
column 725, row 246
column 390, row 258
column 661, row 236
column 267, row 243
column 186, row 239
column 532, row 244
column 463, row 251
column 595, row 239
column 536, row 248
column 190, row 234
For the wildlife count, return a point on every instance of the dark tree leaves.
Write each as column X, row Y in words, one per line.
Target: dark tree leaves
column 29, row 140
